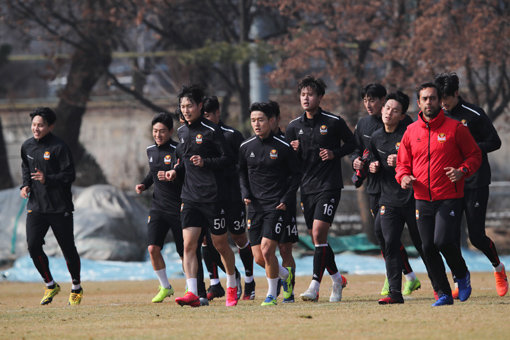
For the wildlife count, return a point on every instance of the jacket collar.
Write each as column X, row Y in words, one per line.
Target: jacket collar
column 434, row 123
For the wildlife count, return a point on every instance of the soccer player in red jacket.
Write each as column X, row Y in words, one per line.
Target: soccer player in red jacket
column 435, row 155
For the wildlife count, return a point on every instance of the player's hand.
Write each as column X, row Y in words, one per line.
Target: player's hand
column 358, row 164
column 38, row 176
column 247, row 201
column 170, row 175
column 374, row 167
column 197, row 160
column 281, row 206
column 295, row 144
column 161, row 175
column 139, row 188
column 407, row 182
column 453, row 174
column 25, row 192
column 178, row 162
column 392, row 160
column 326, row 154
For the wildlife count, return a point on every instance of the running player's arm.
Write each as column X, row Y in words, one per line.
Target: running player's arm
column 490, row 140
column 349, row 142
column 224, row 159
column 65, row 173
column 294, row 179
column 243, row 176
column 358, row 151
column 25, row 168
column 404, row 159
column 469, row 149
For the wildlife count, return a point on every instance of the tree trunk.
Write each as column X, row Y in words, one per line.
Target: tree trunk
column 5, row 175
column 86, row 69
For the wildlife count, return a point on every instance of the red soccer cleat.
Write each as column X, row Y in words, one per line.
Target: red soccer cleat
column 231, row 297
column 501, row 282
column 189, row 299
column 389, row 301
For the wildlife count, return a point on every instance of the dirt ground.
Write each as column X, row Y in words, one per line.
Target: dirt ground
column 122, row 309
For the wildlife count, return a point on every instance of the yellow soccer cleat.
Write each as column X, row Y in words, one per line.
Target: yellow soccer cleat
column 49, row 293
column 75, row 298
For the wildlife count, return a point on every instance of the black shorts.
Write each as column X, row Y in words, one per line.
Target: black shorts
column 158, row 225
column 290, row 230
column 203, row 215
column 320, row 206
column 234, row 214
column 268, row 224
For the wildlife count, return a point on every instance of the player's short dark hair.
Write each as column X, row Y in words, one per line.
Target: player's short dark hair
column 316, row 84
column 267, row 108
column 275, row 107
column 373, row 91
column 164, row 118
column 194, row 92
column 47, row 114
column 400, row 97
column 447, row 83
column 178, row 114
column 211, row 104
column 426, row 86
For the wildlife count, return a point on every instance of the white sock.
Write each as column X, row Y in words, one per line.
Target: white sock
column 272, row 286
column 163, row 279
column 499, row 268
column 231, row 281
column 246, row 245
column 411, row 276
column 336, row 278
column 283, row 272
column 76, row 287
column 214, row 281
column 248, row 279
column 51, row 283
column 315, row 285
column 192, row 285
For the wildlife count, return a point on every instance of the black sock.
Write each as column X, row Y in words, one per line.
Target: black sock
column 247, row 259
column 330, row 261
column 319, row 262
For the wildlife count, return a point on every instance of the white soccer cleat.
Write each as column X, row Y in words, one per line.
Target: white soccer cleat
column 336, row 292
column 310, row 295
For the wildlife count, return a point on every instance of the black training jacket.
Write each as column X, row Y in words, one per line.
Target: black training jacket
column 203, row 184
column 327, row 131
column 383, row 144
column 234, row 138
column 269, row 172
column 52, row 156
column 167, row 195
column 485, row 135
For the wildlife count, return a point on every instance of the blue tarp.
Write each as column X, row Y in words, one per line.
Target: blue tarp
column 24, row 270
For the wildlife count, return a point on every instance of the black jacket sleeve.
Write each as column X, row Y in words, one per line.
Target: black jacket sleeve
column 243, row 176
column 294, row 178
column 225, row 158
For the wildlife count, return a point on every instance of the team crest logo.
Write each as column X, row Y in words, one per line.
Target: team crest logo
column 273, row 154
column 199, row 139
column 323, row 130
column 441, row 137
column 397, row 146
column 417, row 214
column 383, row 210
column 248, row 223
column 464, row 122
column 182, row 206
column 46, row 155
column 167, row 159
column 302, row 207
column 149, row 219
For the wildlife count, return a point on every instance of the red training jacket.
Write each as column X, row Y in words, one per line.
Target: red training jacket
column 429, row 147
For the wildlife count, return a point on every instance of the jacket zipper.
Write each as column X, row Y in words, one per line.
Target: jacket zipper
column 430, row 192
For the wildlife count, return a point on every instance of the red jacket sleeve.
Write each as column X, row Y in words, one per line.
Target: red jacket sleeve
column 404, row 158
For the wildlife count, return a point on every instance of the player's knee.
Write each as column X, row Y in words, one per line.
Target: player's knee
column 154, row 249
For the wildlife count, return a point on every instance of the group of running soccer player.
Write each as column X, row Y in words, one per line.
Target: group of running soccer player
column 212, row 183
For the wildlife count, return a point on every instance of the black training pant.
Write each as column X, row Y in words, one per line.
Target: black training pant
column 474, row 206
column 437, row 223
column 62, row 226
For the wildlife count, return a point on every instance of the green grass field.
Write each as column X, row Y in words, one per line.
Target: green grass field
column 123, row 310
